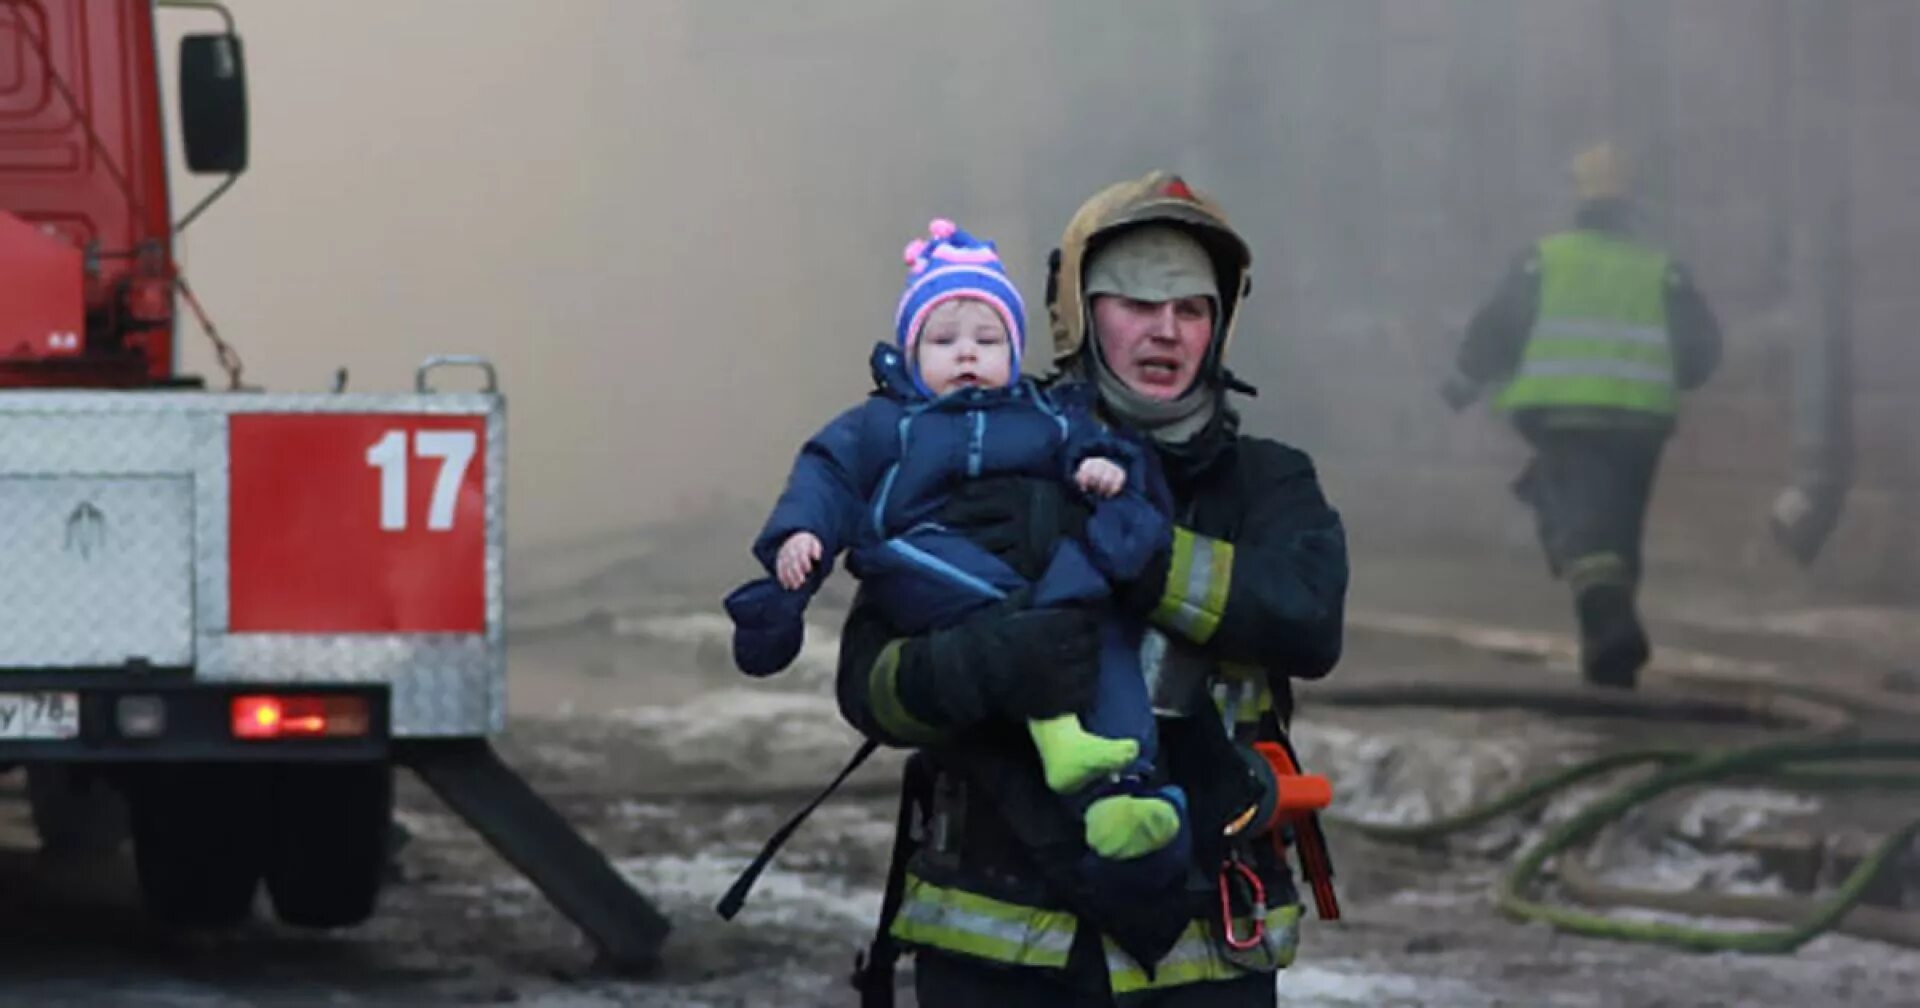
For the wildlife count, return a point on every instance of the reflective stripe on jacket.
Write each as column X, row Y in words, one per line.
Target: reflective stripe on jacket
column 970, row 924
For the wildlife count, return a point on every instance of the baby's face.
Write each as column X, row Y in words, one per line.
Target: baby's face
column 964, row 345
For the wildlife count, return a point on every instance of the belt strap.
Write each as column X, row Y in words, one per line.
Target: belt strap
column 736, row 896
column 873, row 969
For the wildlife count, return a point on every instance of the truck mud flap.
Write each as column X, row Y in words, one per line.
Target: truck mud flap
column 470, row 777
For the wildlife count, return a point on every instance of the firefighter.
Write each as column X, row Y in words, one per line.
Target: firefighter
column 1592, row 335
column 1247, row 591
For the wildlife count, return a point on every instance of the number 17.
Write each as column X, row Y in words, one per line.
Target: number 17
column 454, row 449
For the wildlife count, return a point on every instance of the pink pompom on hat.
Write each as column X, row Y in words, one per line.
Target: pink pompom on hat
column 949, row 264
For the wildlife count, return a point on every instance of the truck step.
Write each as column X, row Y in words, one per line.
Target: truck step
column 531, row 835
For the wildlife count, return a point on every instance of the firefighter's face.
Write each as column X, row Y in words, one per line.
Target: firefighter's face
column 964, row 345
column 1156, row 347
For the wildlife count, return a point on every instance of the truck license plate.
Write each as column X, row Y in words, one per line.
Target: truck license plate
column 40, row 715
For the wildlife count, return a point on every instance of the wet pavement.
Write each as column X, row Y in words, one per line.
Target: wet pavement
column 627, row 716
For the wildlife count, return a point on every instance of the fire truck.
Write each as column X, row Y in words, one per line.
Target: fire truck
column 228, row 615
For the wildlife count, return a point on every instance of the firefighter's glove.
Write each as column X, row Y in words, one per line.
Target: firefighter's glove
column 1019, row 519
column 1019, row 664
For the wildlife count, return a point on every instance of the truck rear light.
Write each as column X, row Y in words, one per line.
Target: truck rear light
column 140, row 715
column 278, row 716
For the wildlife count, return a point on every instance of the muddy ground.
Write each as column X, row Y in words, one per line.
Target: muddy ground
column 628, row 716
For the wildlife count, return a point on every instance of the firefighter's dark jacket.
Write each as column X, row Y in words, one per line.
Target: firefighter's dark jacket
column 1283, row 613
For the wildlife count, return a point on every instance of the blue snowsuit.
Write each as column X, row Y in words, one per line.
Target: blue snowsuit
column 872, row 483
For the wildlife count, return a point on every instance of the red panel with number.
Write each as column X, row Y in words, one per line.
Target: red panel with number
column 356, row 523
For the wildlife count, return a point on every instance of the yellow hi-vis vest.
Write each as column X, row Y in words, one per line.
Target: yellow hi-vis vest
column 1600, row 335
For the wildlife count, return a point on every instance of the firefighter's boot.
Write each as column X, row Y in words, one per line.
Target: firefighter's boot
column 1613, row 645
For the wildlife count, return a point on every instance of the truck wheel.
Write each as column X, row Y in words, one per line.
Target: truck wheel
column 328, row 855
column 75, row 812
column 197, row 841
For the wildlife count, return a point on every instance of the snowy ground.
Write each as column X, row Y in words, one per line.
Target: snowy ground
column 627, row 716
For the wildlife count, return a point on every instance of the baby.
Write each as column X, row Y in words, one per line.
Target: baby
column 950, row 406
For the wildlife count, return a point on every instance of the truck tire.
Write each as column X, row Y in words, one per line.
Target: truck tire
column 332, row 833
column 75, row 812
column 198, row 841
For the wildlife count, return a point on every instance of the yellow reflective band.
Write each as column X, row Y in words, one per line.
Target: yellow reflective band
column 1598, row 569
column 965, row 923
column 883, row 699
column 1197, row 580
column 970, row 924
column 1228, row 698
column 1199, row 957
column 1249, row 713
column 1179, row 569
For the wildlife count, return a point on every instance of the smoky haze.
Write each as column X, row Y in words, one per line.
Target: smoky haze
column 675, row 226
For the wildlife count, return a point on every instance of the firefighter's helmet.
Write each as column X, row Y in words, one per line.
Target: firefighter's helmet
column 1159, row 197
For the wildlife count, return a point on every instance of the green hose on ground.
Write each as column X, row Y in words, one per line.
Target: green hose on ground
column 1710, row 766
column 1778, row 762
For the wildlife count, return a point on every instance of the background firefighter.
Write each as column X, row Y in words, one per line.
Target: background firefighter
column 1593, row 333
column 1248, row 591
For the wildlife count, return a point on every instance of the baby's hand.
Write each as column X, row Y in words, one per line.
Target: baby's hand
column 1099, row 476
column 796, row 559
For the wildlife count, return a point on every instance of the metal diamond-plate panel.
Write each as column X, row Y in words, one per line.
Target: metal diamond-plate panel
column 96, row 570
column 441, row 685
column 209, row 447
column 496, row 642
column 44, row 442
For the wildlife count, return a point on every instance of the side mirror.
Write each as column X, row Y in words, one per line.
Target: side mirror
column 213, row 104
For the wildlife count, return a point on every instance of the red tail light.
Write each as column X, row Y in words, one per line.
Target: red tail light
column 267, row 716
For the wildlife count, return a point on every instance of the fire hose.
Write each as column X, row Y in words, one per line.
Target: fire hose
column 1820, row 755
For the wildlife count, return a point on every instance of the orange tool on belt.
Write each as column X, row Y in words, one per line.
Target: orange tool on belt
column 1297, row 797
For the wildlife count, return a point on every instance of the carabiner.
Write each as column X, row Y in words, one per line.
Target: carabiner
column 1227, row 869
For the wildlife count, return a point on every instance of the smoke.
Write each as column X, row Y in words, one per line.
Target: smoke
column 675, row 229
column 675, row 225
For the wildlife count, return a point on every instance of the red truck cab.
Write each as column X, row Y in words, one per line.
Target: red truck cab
column 86, row 234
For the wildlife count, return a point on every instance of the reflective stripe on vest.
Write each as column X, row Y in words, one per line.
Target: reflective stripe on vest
column 965, row 923
column 1600, row 334
column 1199, row 956
column 1197, row 582
column 983, row 927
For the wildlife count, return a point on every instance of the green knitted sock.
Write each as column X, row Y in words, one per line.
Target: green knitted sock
column 1072, row 756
